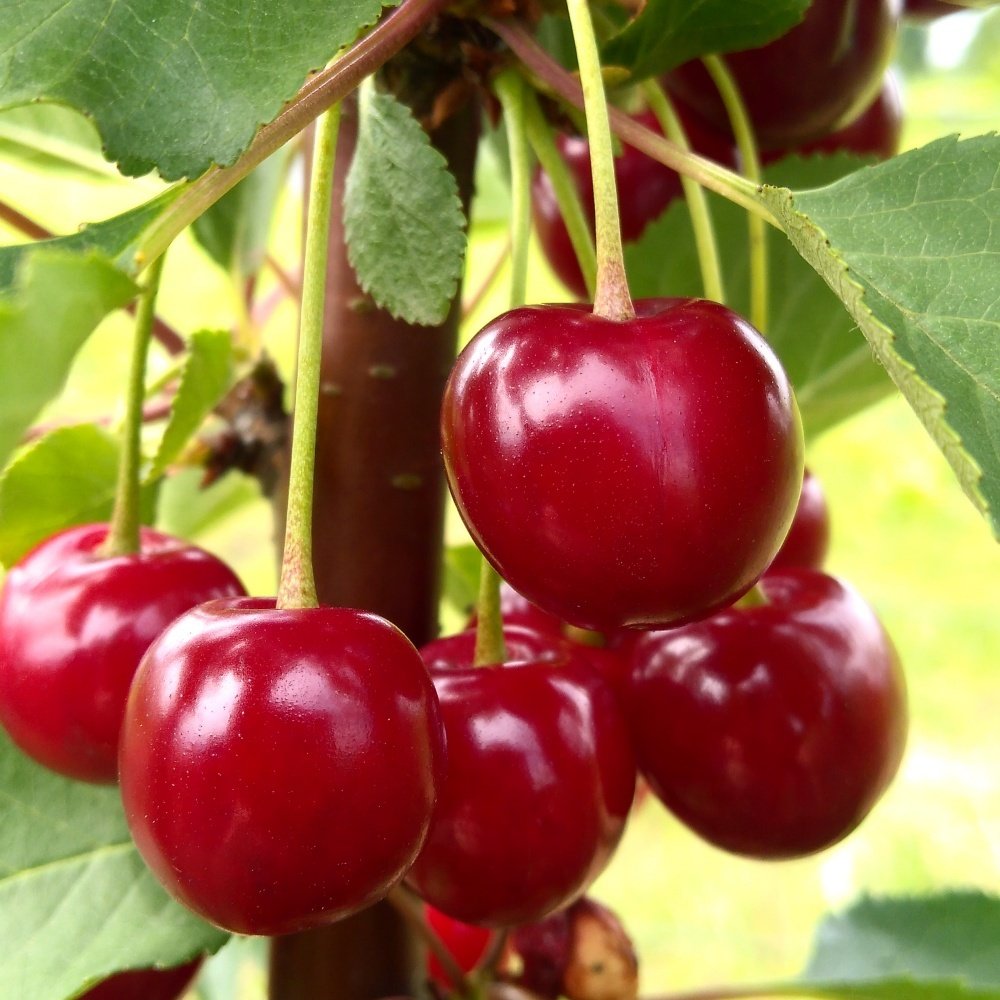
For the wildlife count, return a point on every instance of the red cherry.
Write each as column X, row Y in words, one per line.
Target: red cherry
column 876, row 132
column 811, row 81
column 145, row 984
column 278, row 768
column 540, row 778
column 808, row 538
column 73, row 627
column 623, row 474
column 646, row 188
column 772, row 730
column 466, row 942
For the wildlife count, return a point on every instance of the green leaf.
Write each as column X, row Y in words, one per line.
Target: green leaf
column 462, row 564
column 933, row 948
column 402, row 215
column 205, row 377
column 185, row 509
column 65, row 478
column 235, row 230
column 828, row 361
column 113, row 238
column 670, row 32
column 912, row 246
column 76, row 901
column 179, row 86
column 55, row 302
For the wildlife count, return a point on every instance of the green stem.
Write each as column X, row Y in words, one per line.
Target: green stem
column 490, row 645
column 123, row 532
column 753, row 598
column 297, row 587
column 611, row 297
column 322, row 91
column 697, row 202
column 564, row 85
column 567, row 196
column 742, row 128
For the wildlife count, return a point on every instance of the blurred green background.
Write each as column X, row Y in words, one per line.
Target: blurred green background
column 903, row 534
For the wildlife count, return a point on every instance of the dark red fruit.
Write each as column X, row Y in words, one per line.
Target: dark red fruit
column 145, row 984
column 540, row 778
column 928, row 10
column 808, row 538
column 624, row 474
column 466, row 942
column 646, row 188
column 813, row 80
column 876, row 132
column 73, row 627
column 772, row 730
column 279, row 768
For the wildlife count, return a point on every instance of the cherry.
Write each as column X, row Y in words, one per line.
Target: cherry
column 539, row 781
column 646, row 188
column 808, row 538
column 623, row 474
column 73, row 627
column 771, row 731
column 875, row 132
column 811, row 81
column 145, row 984
column 466, row 942
column 279, row 767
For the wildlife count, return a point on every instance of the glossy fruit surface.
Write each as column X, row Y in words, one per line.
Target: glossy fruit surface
column 145, row 984
column 279, row 768
column 646, row 188
column 466, row 942
column 875, row 132
column 73, row 627
column 623, row 474
column 808, row 539
column 772, row 731
column 809, row 82
column 540, row 778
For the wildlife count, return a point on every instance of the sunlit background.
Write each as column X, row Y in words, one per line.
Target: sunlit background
column 903, row 534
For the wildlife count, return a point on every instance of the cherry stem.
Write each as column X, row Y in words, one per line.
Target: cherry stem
column 694, row 194
column 753, row 598
column 746, row 143
column 611, row 296
column 297, row 586
column 558, row 81
column 493, row 955
column 123, row 531
column 411, row 910
column 320, row 92
column 567, row 196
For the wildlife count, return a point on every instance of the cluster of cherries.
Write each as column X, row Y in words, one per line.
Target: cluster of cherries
column 639, row 484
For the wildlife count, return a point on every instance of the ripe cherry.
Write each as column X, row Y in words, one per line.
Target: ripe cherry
column 466, row 942
column 145, row 984
column 279, row 767
column 646, row 188
column 811, row 81
column 73, row 627
column 623, row 474
column 875, row 132
column 771, row 731
column 540, row 777
column 808, row 539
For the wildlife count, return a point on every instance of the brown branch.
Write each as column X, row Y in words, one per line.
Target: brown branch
column 156, row 410
column 16, row 220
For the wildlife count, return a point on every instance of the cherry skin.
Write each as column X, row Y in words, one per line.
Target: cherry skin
column 623, row 474
column 73, row 628
column 811, row 81
column 540, row 777
column 646, row 188
column 279, row 767
column 808, row 539
column 875, row 132
column 771, row 731
column 466, row 942
column 145, row 984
